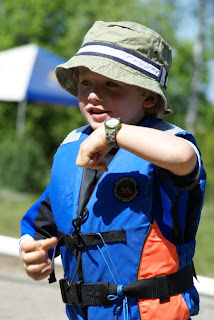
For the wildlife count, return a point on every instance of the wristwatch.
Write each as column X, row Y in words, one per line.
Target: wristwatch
column 112, row 126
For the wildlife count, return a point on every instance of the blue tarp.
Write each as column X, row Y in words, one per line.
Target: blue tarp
column 43, row 86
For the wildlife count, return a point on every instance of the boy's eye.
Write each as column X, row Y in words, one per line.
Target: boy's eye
column 111, row 84
column 85, row 82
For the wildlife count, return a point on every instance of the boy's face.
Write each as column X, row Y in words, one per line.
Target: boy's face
column 101, row 98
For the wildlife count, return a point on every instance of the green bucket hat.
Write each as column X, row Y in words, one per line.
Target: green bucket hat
column 122, row 51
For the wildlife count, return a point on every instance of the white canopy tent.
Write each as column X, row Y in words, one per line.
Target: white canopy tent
column 27, row 74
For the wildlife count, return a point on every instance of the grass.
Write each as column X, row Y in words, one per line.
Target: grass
column 13, row 207
column 204, row 256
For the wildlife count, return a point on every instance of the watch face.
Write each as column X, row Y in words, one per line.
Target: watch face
column 112, row 123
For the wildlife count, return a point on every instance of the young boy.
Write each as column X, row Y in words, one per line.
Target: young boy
column 126, row 191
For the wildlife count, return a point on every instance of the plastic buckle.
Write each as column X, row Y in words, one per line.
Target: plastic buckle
column 71, row 240
column 71, row 292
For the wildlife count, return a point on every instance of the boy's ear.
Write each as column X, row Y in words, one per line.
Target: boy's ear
column 150, row 100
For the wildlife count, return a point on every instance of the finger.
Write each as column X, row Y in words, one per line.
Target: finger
column 94, row 161
column 34, row 256
column 29, row 246
column 37, row 267
column 47, row 243
column 99, row 166
column 82, row 159
column 91, row 152
column 40, row 275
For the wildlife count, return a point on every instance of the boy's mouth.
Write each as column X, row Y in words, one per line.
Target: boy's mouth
column 97, row 114
column 96, row 111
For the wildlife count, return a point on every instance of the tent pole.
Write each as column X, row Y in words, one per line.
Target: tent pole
column 20, row 121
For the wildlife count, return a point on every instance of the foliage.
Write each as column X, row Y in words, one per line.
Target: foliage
column 8, row 114
column 205, row 141
column 26, row 23
column 22, row 165
column 49, row 125
column 60, row 26
column 204, row 257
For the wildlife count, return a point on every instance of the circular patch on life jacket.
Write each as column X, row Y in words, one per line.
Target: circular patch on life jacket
column 126, row 189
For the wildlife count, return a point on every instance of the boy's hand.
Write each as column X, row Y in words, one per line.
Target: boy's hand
column 93, row 149
column 34, row 257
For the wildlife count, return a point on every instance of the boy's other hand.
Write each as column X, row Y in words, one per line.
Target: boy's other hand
column 34, row 257
column 93, row 149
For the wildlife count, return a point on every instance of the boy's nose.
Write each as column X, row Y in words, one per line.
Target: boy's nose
column 95, row 95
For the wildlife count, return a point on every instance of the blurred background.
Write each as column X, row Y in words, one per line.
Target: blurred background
column 32, row 127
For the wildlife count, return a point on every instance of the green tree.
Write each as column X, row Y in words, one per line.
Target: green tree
column 60, row 25
column 23, row 22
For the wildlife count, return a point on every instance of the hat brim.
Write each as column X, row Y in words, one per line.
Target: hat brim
column 109, row 68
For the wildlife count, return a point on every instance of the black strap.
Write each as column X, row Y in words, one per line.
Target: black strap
column 90, row 239
column 160, row 287
column 81, row 240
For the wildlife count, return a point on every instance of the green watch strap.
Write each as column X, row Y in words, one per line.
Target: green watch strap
column 112, row 126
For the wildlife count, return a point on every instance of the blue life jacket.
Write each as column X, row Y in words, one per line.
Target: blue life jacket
column 140, row 223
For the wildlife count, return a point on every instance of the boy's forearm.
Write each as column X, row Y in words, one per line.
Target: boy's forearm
column 162, row 149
